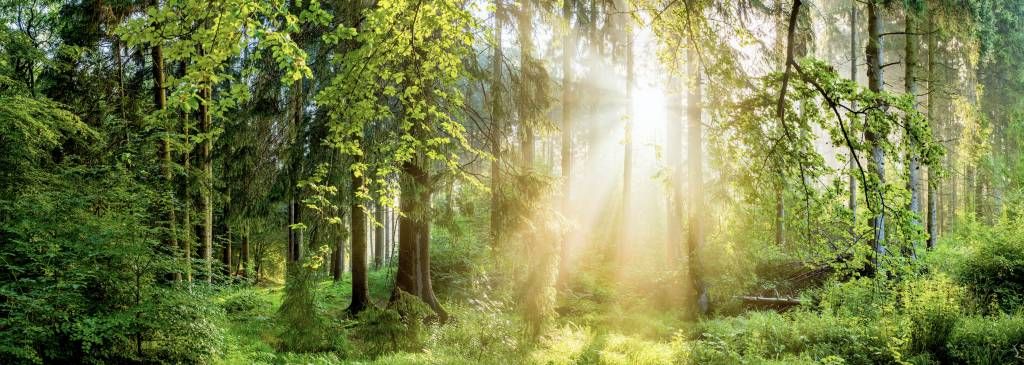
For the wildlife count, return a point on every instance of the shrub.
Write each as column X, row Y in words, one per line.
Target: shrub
column 399, row 327
column 984, row 341
column 481, row 333
column 995, row 271
column 245, row 301
column 798, row 336
column 302, row 327
column 932, row 305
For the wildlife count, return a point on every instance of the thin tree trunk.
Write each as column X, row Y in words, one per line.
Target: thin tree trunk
column 910, row 87
column 695, row 160
column 780, row 212
column 873, row 56
column 525, row 19
column 625, row 224
column 378, row 238
column 498, row 127
column 295, row 167
column 933, row 183
column 673, row 160
column 207, row 190
column 160, row 100
column 568, row 50
column 244, row 259
column 187, row 228
column 852, row 204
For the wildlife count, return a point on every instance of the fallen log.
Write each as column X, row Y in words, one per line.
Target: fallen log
column 770, row 300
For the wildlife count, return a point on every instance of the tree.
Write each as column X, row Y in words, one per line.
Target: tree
column 412, row 53
column 873, row 56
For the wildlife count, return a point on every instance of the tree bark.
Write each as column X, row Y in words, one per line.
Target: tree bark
column 568, row 50
column 625, row 224
column 910, row 87
column 160, row 101
column 378, row 237
column 360, row 288
column 244, row 258
column 498, row 127
column 525, row 19
column 933, row 183
column 673, row 160
column 873, row 55
column 413, row 275
column 294, row 171
column 852, row 204
column 695, row 160
column 207, row 190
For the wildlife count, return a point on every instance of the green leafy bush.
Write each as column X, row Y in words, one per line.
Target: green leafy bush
column 988, row 340
column 245, row 301
column 399, row 327
column 932, row 305
column 995, row 270
column 763, row 336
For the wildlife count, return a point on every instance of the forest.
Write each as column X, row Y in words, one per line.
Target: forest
column 512, row 182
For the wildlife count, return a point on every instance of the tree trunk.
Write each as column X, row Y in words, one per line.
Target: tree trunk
column 360, row 288
column 227, row 255
column 244, row 259
column 187, row 228
column 695, row 160
column 294, row 170
column 568, row 50
column 780, row 212
column 497, row 128
column 873, row 55
column 525, row 19
column 378, row 237
column 413, row 275
column 673, row 160
column 852, row 204
column 207, row 190
column 910, row 87
column 160, row 101
column 625, row 224
column 933, row 183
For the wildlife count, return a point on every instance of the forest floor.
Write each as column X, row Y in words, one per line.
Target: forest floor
column 476, row 335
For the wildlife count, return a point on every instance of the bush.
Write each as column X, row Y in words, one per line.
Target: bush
column 481, row 334
column 244, row 302
column 932, row 305
column 302, row 327
column 984, row 341
column 396, row 328
column 798, row 336
column 995, row 271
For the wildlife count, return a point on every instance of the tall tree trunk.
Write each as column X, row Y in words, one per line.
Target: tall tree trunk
column 568, row 50
column 243, row 260
column 294, row 172
column 625, row 224
column 160, row 101
column 187, row 228
column 673, row 161
column 360, row 288
column 780, row 212
column 207, row 190
column 910, row 87
column 498, row 127
column 852, row 204
column 525, row 19
column 933, row 183
column 226, row 252
column 378, row 237
column 873, row 55
column 695, row 159
column 413, row 275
